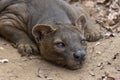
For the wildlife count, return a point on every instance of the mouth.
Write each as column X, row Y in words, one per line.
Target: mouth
column 71, row 64
column 75, row 65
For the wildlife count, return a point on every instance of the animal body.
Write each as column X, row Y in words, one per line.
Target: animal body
column 53, row 28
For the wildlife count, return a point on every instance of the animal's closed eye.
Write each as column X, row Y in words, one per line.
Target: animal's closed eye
column 60, row 44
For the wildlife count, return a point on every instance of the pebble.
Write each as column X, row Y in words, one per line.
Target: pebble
column 100, row 64
column 100, row 1
column 98, row 43
column 98, row 52
column 1, row 48
column 4, row 60
column 92, row 73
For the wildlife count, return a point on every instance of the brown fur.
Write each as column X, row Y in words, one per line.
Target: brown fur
column 58, row 29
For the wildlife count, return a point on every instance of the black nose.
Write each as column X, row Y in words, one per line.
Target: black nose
column 79, row 54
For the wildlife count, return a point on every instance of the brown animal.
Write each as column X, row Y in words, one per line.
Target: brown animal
column 52, row 27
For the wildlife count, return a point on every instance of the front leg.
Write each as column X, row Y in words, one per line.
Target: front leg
column 23, row 43
column 82, row 19
column 92, row 32
column 26, row 46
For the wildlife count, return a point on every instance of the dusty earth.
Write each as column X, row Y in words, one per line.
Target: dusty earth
column 103, row 57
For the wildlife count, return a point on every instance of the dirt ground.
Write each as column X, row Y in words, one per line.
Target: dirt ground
column 104, row 56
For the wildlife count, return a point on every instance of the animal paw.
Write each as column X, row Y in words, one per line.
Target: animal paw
column 93, row 34
column 26, row 49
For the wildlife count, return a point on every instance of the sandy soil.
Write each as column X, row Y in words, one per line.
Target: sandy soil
column 104, row 56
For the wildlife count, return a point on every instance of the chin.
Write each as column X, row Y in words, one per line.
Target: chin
column 75, row 65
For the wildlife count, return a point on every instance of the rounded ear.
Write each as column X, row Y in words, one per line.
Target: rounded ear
column 41, row 30
column 81, row 22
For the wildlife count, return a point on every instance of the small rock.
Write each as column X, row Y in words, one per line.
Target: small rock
column 101, row 67
column 4, row 61
column 1, row 48
column 107, row 34
column 49, row 79
column 43, row 74
column 115, row 56
column 100, row 64
column 92, row 73
column 98, row 43
column 98, row 52
column 40, row 76
column 110, row 34
column 109, row 63
column 107, row 77
column 101, row 1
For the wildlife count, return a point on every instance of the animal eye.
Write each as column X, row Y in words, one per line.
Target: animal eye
column 83, row 41
column 60, row 44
